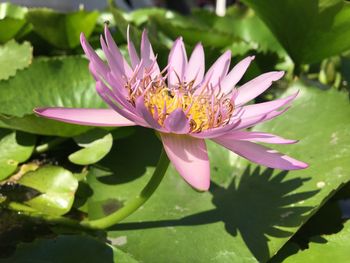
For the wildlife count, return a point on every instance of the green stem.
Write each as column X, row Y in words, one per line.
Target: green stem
column 51, row 144
column 133, row 205
column 115, row 217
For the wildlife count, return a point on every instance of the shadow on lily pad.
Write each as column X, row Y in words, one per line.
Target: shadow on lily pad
column 254, row 216
column 130, row 156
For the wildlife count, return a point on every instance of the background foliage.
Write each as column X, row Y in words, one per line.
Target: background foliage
column 250, row 214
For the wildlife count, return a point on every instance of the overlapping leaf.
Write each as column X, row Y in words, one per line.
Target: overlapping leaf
column 55, row 82
column 59, row 29
column 309, row 30
column 57, row 187
column 12, row 21
column 329, row 248
column 15, row 56
column 15, row 147
column 96, row 144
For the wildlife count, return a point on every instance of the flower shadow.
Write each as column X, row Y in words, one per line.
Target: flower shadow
column 257, row 207
column 130, row 156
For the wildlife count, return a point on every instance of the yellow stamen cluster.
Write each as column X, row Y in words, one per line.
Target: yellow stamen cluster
column 203, row 110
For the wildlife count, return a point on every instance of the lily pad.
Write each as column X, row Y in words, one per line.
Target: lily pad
column 12, row 21
column 79, row 247
column 15, row 147
column 62, row 30
column 15, row 56
column 57, row 186
column 48, row 82
column 329, row 248
column 250, row 212
column 141, row 16
column 96, row 145
column 194, row 32
column 317, row 22
column 244, row 24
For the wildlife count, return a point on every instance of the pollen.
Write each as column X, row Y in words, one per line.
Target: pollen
column 205, row 110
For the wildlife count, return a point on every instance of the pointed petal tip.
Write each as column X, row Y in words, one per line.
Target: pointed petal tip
column 290, row 141
column 201, row 187
column 179, row 39
column 299, row 165
column 144, row 33
column 82, row 37
column 279, row 75
column 102, row 40
column 106, row 29
column 290, row 163
column 83, row 41
column 38, row 111
column 228, row 53
column 200, row 184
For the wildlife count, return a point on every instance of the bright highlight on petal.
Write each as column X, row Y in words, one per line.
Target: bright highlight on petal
column 190, row 158
column 262, row 155
column 184, row 104
column 92, row 117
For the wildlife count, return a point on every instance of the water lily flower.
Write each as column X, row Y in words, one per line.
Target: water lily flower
column 184, row 104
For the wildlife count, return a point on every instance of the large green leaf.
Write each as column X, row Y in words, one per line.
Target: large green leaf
column 57, row 187
column 327, row 221
column 249, row 212
column 61, row 82
column 15, row 56
column 128, row 162
column 330, row 248
column 15, row 147
column 68, row 249
column 96, row 144
column 12, row 21
column 252, row 30
column 194, row 32
column 309, row 30
column 60, row 29
column 141, row 16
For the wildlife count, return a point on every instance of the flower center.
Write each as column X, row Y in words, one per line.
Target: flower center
column 205, row 110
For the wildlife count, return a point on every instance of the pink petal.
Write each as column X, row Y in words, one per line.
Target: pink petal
column 115, row 97
column 90, row 117
column 215, row 132
column 115, row 103
column 196, row 66
column 257, row 137
column 190, row 158
column 177, row 122
column 116, row 54
column 177, row 62
column 98, row 66
column 145, row 114
column 114, row 62
column 219, row 69
column 235, row 75
column 256, row 86
column 147, row 54
column 249, row 122
column 266, row 107
column 132, row 51
column 261, row 155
